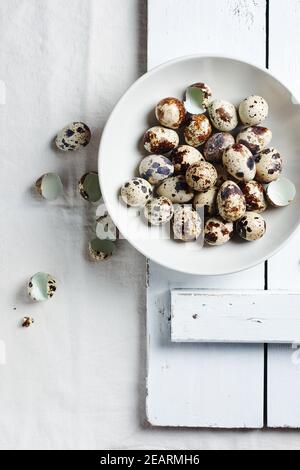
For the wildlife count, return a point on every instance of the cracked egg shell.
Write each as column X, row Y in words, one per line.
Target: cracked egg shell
column 185, row 156
column 268, row 165
column 105, row 228
column 176, row 189
column 100, row 250
column 156, row 168
column 136, row 192
column 89, row 187
column 41, row 287
column 201, row 176
column 253, row 110
column 223, row 115
column 160, row 140
column 281, row 192
column 208, row 200
column 197, row 131
column 187, row 224
column 251, row 227
column 239, row 162
column 255, row 138
column 216, row 146
column 49, row 186
column 159, row 211
column 73, row 137
column 217, row 232
column 255, row 196
column 231, row 202
column 170, row 112
column 197, row 98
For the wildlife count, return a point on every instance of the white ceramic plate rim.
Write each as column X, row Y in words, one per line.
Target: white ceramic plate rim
column 115, row 111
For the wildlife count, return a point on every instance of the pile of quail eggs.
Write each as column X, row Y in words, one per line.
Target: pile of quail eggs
column 207, row 155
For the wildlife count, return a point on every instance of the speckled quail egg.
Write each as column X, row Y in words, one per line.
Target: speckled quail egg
column 100, row 250
column 223, row 115
column 268, row 165
column 160, row 140
column 49, row 186
column 208, row 200
column 136, row 192
column 217, row 232
column 159, row 211
column 89, row 187
column 253, row 110
column 239, row 162
column 197, row 98
column 105, row 228
column 251, row 227
column 281, row 193
column 41, row 287
column 216, row 146
column 256, row 138
column 176, row 189
column 231, row 202
column 201, row 176
column 170, row 112
column 187, row 225
column 185, row 156
column 73, row 137
column 197, row 131
column 156, row 168
column 255, row 197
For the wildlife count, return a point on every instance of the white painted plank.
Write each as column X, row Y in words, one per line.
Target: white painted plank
column 197, row 385
column 284, row 268
column 213, row 316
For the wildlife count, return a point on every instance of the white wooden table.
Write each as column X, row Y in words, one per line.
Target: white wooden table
column 224, row 386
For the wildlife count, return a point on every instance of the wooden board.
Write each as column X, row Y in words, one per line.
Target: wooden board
column 208, row 316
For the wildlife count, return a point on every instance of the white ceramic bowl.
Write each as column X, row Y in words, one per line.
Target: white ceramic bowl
column 121, row 152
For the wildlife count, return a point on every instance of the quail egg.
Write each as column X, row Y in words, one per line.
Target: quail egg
column 187, row 225
column 89, row 187
column 160, row 140
column 170, row 112
column 197, row 98
column 49, row 186
column 201, row 176
column 239, row 162
column 256, row 138
column 223, row 115
column 255, row 197
column 185, row 156
column 100, row 250
column 217, row 232
column 41, row 287
column 105, row 228
column 231, row 202
column 197, row 131
column 73, row 137
column 208, row 200
column 268, row 165
column 216, row 146
column 281, row 192
column 251, row 227
column 253, row 110
column 159, row 211
column 156, row 168
column 176, row 189
column 136, row 192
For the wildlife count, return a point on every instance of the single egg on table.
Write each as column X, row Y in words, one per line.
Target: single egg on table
column 176, row 189
column 73, row 137
column 239, row 162
column 255, row 196
column 251, row 226
column 255, row 138
column 159, row 140
column 201, row 176
column 231, row 202
column 156, row 168
column 136, row 192
column 197, row 98
column 268, row 165
column 207, row 200
column 187, row 225
column 170, row 112
column 223, row 115
column 253, row 110
column 159, row 211
column 185, row 156
column 197, row 131
column 216, row 146
column 217, row 232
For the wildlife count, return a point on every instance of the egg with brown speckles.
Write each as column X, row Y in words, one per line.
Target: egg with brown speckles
column 268, row 165
column 185, row 156
column 170, row 112
column 231, row 202
column 255, row 138
column 223, row 115
column 217, row 232
column 159, row 211
column 201, row 176
column 159, row 140
column 239, row 162
column 255, row 197
column 136, row 192
column 176, row 189
column 187, row 225
column 198, row 130
column 216, row 146
column 251, row 227
column 253, row 110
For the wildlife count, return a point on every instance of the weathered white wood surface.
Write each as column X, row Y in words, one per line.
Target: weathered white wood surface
column 284, row 268
column 191, row 384
column 210, row 316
